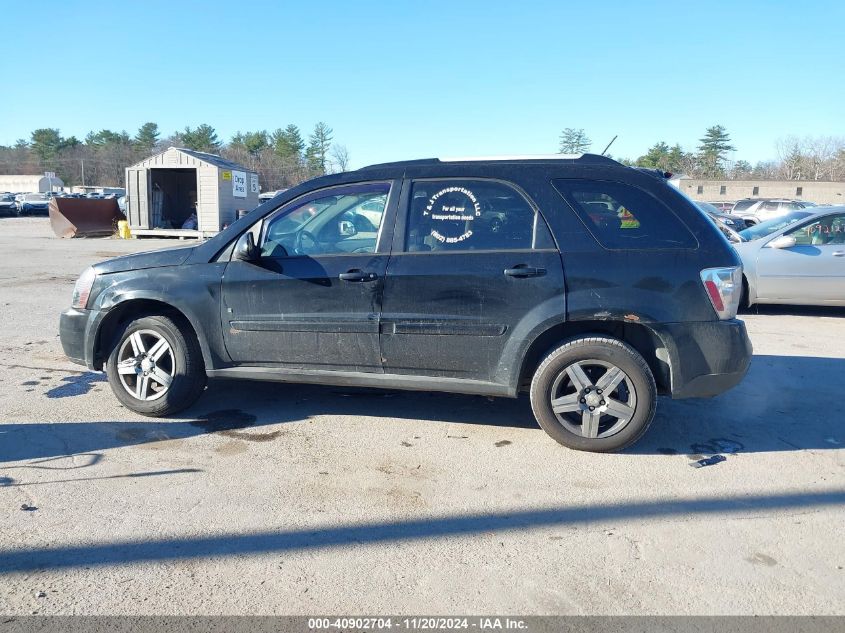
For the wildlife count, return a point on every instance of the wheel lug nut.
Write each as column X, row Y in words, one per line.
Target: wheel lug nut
column 587, row 390
column 602, row 402
column 598, row 391
column 592, row 408
column 583, row 399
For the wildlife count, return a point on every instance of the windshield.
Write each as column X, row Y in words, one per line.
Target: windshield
column 770, row 226
column 742, row 205
column 709, row 208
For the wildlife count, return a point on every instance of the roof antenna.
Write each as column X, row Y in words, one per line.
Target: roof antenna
column 609, row 144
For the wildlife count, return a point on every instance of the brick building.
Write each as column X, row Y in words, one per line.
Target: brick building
column 718, row 190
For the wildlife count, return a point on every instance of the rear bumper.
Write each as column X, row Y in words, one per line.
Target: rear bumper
column 76, row 331
column 706, row 358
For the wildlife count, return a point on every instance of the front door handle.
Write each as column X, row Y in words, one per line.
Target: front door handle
column 839, row 253
column 522, row 270
column 357, row 275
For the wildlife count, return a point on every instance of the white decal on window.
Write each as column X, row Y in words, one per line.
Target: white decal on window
column 459, row 205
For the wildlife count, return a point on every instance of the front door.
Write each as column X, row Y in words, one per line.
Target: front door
column 313, row 299
column 812, row 271
column 473, row 259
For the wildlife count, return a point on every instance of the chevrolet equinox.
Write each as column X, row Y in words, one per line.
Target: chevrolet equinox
column 591, row 286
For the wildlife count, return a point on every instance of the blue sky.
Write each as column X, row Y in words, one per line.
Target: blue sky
column 429, row 78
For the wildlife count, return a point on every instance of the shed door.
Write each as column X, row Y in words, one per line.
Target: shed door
column 138, row 204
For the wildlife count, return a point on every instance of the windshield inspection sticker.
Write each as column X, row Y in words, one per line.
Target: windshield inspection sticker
column 452, row 204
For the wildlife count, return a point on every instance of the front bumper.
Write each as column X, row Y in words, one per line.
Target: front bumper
column 706, row 358
column 77, row 329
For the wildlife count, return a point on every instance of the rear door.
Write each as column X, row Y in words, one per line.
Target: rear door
column 471, row 259
column 313, row 299
column 812, row 271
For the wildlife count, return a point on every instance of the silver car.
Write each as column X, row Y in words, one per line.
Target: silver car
column 753, row 211
column 798, row 258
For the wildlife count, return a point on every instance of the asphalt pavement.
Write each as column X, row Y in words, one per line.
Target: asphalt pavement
column 291, row 499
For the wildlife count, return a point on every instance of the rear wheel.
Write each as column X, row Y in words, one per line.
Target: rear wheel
column 156, row 366
column 594, row 393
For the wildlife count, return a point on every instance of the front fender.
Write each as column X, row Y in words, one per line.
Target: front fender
column 192, row 290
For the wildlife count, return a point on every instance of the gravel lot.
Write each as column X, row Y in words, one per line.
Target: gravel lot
column 287, row 499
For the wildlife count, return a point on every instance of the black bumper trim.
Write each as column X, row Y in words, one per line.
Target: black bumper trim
column 706, row 358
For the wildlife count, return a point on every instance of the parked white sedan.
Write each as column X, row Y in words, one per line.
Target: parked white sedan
column 798, row 259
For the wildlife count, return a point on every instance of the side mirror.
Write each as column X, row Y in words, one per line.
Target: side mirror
column 346, row 228
column 784, row 241
column 245, row 249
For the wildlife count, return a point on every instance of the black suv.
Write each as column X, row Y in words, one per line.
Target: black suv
column 590, row 285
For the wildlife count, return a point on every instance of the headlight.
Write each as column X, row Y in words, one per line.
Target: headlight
column 82, row 289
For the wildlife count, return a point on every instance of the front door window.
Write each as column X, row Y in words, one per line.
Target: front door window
column 347, row 221
column 827, row 230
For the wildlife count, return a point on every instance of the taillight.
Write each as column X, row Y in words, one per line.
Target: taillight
column 82, row 289
column 724, row 288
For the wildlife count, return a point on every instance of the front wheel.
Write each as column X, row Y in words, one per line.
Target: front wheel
column 156, row 367
column 594, row 393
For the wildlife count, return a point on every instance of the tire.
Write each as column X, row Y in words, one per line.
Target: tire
column 615, row 423
column 180, row 358
column 744, row 299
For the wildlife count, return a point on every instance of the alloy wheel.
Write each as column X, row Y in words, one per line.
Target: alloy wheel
column 593, row 398
column 146, row 365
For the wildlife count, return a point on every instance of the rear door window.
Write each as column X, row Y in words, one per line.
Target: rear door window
column 472, row 215
column 621, row 216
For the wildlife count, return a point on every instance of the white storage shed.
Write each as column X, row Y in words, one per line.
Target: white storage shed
column 164, row 190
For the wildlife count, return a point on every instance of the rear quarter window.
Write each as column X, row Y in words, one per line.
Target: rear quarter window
column 625, row 217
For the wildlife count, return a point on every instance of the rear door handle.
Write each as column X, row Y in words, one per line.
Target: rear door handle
column 357, row 275
column 839, row 253
column 524, row 271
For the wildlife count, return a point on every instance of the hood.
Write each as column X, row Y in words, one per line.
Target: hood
column 149, row 259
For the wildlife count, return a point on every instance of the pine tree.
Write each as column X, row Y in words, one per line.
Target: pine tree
column 319, row 144
column 255, row 142
column 715, row 144
column 202, row 139
column 742, row 169
column 147, row 137
column 288, row 143
column 107, row 137
column 661, row 156
column 574, row 141
column 46, row 143
column 656, row 157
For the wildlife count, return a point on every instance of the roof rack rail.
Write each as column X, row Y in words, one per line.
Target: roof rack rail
column 586, row 158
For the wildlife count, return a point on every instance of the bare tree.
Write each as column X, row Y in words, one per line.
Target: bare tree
column 766, row 170
column 340, row 157
column 820, row 153
column 791, row 157
column 836, row 167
